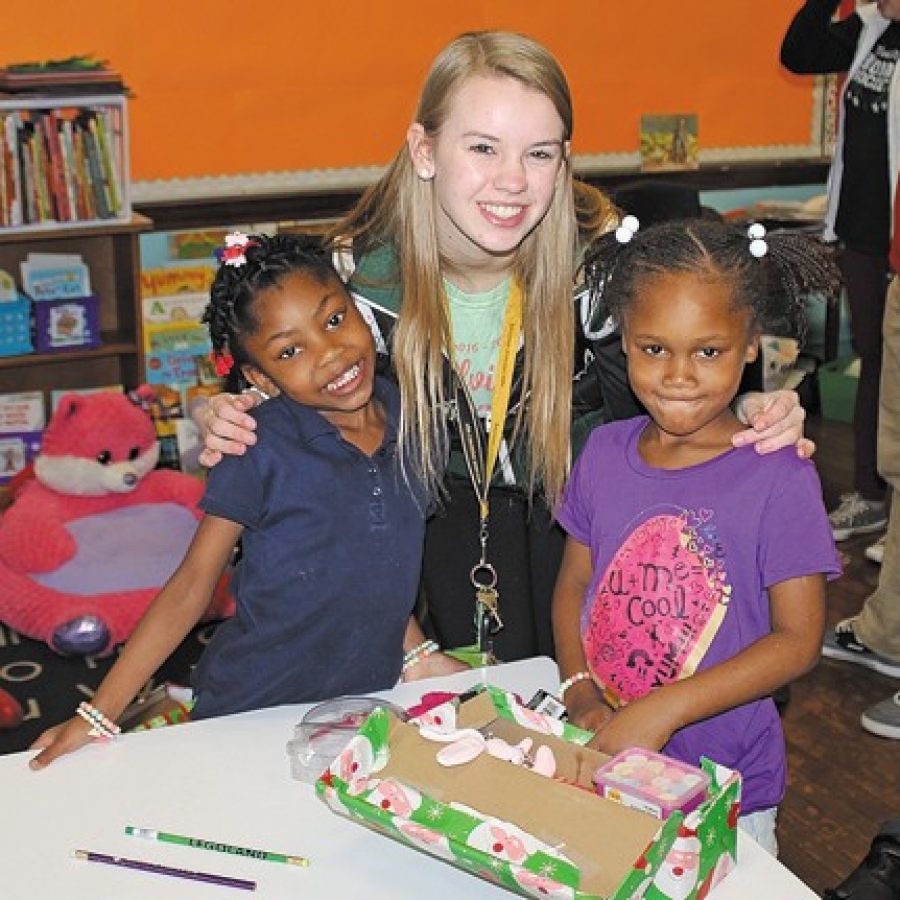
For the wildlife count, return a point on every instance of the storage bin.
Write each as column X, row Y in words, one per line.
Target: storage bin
column 15, row 327
column 838, row 381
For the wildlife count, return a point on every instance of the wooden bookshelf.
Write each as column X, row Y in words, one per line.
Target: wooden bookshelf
column 111, row 251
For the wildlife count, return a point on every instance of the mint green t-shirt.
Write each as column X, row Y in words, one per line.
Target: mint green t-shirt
column 476, row 321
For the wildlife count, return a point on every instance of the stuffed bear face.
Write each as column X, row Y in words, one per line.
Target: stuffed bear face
column 96, row 444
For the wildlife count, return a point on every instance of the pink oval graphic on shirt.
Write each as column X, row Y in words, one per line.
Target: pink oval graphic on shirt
column 658, row 605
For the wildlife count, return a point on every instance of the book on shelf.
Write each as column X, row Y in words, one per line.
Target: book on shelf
column 174, row 351
column 98, row 125
column 174, row 296
column 55, row 276
column 168, row 281
column 95, row 167
column 26, row 168
column 49, row 129
column 22, row 421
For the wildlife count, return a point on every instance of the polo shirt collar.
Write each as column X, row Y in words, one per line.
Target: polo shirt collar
column 312, row 424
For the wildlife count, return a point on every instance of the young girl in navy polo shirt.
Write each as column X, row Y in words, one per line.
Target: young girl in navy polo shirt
column 331, row 523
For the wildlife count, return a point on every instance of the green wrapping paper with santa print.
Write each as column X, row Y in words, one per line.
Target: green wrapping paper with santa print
column 535, row 836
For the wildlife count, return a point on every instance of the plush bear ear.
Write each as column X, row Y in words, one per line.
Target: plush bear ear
column 68, row 405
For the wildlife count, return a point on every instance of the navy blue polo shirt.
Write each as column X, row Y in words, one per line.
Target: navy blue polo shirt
column 327, row 581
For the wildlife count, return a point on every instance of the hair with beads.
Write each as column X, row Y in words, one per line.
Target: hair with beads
column 772, row 275
column 264, row 263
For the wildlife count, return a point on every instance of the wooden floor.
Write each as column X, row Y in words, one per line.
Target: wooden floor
column 843, row 782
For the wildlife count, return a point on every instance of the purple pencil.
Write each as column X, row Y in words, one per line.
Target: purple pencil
column 144, row 866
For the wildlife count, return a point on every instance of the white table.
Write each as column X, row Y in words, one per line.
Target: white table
column 228, row 780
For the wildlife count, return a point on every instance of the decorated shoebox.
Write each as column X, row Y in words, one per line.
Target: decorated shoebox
column 519, row 826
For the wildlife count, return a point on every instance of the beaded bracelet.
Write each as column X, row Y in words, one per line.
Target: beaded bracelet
column 101, row 726
column 417, row 654
column 572, row 680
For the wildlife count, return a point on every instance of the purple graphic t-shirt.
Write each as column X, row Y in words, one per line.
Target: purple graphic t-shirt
column 681, row 561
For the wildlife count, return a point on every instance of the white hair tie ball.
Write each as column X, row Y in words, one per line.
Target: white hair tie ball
column 756, row 230
column 758, row 247
column 627, row 230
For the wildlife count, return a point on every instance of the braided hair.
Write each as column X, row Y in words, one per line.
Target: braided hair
column 774, row 286
column 268, row 260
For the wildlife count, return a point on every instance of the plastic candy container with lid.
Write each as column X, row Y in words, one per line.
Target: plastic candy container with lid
column 326, row 729
column 651, row 782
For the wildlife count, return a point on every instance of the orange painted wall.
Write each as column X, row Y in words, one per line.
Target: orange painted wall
column 230, row 87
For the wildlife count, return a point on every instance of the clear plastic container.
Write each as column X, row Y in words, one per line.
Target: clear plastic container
column 326, row 729
column 651, row 782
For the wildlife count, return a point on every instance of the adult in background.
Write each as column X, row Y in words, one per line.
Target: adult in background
column 872, row 637
column 861, row 189
column 462, row 256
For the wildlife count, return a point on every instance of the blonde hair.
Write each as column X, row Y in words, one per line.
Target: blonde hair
column 398, row 210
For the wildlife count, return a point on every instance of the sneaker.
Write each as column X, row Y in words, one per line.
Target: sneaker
column 875, row 552
column 877, row 877
column 883, row 718
column 842, row 643
column 856, row 515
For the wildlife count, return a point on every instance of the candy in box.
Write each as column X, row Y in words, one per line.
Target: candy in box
column 535, row 834
column 652, row 782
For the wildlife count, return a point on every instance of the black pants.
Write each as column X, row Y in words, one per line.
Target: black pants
column 866, row 279
column 525, row 547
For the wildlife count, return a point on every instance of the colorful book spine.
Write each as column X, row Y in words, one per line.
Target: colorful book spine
column 96, row 180
column 10, row 150
column 4, row 180
column 100, row 128
column 41, row 174
column 70, row 175
column 57, row 170
column 26, row 170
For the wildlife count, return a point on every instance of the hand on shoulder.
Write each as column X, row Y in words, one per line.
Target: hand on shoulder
column 776, row 421
column 226, row 428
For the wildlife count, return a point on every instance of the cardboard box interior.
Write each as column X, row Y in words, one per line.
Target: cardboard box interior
column 602, row 838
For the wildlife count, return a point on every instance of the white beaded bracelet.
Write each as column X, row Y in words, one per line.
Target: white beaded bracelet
column 417, row 654
column 101, row 726
column 572, row 680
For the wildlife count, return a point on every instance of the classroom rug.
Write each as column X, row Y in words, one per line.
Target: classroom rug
column 48, row 687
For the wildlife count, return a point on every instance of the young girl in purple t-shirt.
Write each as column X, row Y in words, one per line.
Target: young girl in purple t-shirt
column 693, row 581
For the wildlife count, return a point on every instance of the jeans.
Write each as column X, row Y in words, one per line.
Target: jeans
column 760, row 825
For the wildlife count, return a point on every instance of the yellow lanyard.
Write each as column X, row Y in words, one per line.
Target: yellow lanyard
column 483, row 575
column 506, row 362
